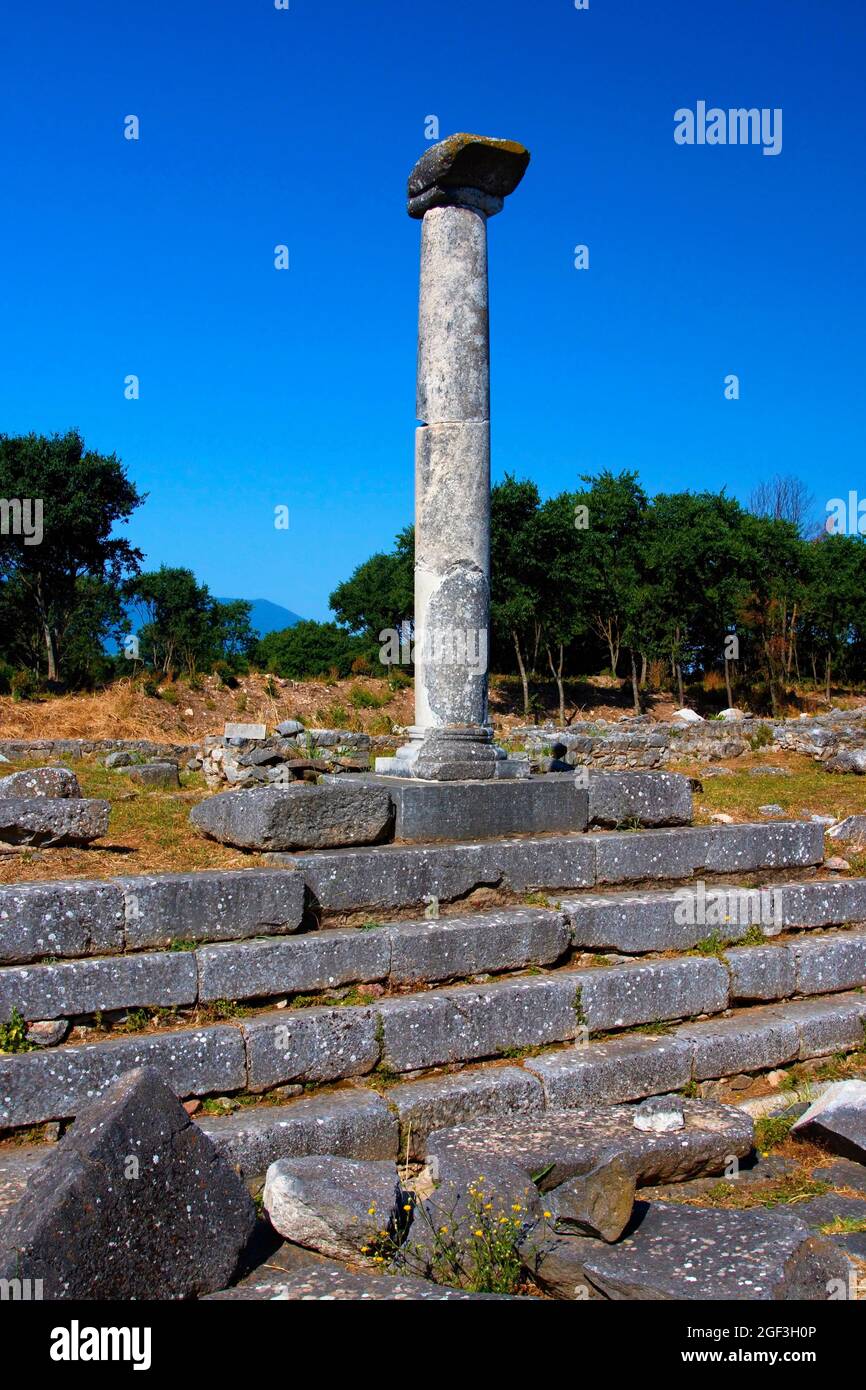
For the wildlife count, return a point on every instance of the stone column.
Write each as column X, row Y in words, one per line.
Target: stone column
column 455, row 187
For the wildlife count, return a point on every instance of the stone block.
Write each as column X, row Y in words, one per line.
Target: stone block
column 622, row 996
column 352, row 1123
column 61, row 918
column 455, row 810
column 215, row 905
column 46, row 821
column 457, row 947
column 837, row 1120
column 245, row 731
column 731, row 849
column 469, row 1022
column 825, row 1026
column 829, row 963
column 679, row 1252
column 312, row 1044
column 296, row 965
column 58, row 1082
column 333, row 1205
column 72, row 988
column 630, row 856
column 727, row 1046
column 605, row 1073
column 299, row 816
column 469, row 1097
column 347, row 880
column 560, row 1144
column 650, row 798
column 55, row 782
column 761, row 972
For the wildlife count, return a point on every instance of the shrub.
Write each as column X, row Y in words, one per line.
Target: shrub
column 23, row 685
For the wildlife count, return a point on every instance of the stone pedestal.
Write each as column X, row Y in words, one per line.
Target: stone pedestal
column 454, row 188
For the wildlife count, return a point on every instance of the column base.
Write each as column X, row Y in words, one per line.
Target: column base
column 455, row 753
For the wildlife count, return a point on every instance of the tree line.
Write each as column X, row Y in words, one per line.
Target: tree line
column 658, row 590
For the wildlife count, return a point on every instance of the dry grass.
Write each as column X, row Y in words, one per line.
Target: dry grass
column 149, row 832
column 182, row 714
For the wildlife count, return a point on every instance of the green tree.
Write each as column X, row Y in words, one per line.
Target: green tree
column 308, row 649
column 380, row 594
column 182, row 627
column 515, row 596
column 82, row 496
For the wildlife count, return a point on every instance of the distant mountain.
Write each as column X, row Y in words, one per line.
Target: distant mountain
column 268, row 617
column 265, row 617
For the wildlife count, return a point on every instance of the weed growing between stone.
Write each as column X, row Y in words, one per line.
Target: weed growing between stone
column 473, row 1244
column 13, row 1035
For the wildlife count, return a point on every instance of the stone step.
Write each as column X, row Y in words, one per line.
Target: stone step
column 79, row 918
column 457, row 1024
column 74, row 918
column 399, row 953
column 405, row 876
column 359, row 1123
column 355, row 1121
column 677, row 919
column 450, row 948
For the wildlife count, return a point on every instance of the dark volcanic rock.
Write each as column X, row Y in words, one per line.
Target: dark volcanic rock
column 297, row 817
column 134, row 1203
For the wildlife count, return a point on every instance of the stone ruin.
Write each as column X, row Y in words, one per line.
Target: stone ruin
column 456, row 988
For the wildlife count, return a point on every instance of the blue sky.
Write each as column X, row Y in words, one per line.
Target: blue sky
column 258, row 126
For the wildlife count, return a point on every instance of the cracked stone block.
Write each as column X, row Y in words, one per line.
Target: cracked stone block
column 727, row 1046
column 560, row 1144
column 46, row 821
column 349, row 880
column 467, row 1097
column 672, row 1251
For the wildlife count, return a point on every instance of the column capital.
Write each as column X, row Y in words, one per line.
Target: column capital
column 474, row 171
